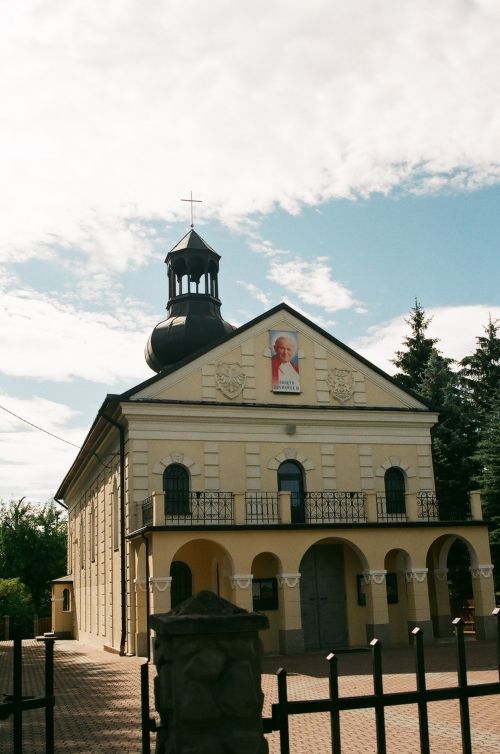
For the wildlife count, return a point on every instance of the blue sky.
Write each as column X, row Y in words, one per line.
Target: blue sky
column 347, row 156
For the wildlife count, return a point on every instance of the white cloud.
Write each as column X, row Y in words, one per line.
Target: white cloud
column 45, row 339
column 33, row 463
column 312, row 283
column 256, row 293
column 456, row 327
column 111, row 112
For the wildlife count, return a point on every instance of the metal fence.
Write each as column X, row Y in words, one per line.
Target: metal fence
column 192, row 509
column 332, row 506
column 16, row 703
column 262, row 508
column 379, row 700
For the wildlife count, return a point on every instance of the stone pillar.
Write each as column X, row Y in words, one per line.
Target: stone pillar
column 411, row 506
column 475, row 505
column 208, row 688
column 441, row 614
column 240, row 512
column 419, row 613
column 484, row 600
column 159, row 587
column 285, row 506
column 371, row 506
column 377, row 610
column 141, row 634
column 241, row 585
column 291, row 635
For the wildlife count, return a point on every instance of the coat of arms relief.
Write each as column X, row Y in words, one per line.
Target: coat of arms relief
column 341, row 384
column 230, row 379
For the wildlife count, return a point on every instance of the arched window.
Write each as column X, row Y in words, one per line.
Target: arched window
column 291, row 479
column 66, row 600
column 182, row 582
column 395, row 488
column 176, row 489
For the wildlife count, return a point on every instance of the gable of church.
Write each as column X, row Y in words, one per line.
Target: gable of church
column 246, row 368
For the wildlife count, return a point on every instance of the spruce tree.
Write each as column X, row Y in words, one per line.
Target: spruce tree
column 488, row 458
column 413, row 361
column 480, row 372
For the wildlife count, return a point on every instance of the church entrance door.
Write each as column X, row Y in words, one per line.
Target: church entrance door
column 322, row 597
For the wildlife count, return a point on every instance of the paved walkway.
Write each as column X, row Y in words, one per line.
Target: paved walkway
column 98, row 701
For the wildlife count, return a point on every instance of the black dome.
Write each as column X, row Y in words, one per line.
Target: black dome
column 194, row 320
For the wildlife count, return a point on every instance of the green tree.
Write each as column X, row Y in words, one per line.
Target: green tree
column 480, row 371
column 453, row 437
column 488, row 458
column 412, row 362
column 430, row 374
column 33, row 547
column 16, row 602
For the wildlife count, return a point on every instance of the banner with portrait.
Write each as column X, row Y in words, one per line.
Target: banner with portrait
column 285, row 361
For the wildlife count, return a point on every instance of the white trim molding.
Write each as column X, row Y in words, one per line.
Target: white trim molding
column 416, row 574
column 241, row 580
column 291, row 454
column 288, row 579
column 374, row 577
column 176, row 456
column 485, row 570
column 160, row 583
column 141, row 584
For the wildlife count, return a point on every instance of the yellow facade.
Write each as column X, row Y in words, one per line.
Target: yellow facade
column 336, row 564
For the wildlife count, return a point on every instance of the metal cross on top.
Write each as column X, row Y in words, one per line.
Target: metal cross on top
column 192, row 201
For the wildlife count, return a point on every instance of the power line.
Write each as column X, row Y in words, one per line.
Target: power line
column 40, row 429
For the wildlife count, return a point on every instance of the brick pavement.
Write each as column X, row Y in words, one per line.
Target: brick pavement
column 98, row 707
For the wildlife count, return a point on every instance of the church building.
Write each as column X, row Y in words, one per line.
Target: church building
column 272, row 465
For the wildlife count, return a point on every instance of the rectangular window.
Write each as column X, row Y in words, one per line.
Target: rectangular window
column 265, row 594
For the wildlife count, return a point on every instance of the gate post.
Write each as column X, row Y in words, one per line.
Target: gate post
column 208, row 688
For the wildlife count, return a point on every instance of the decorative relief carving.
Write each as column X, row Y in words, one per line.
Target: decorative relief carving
column 242, row 580
column 177, row 457
column 486, row 571
column 230, row 379
column 160, row 583
column 288, row 579
column 140, row 584
column 341, row 384
column 374, row 577
column 417, row 574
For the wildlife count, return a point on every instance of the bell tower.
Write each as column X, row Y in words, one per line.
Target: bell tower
column 194, row 320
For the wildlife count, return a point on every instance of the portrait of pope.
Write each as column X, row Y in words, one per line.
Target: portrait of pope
column 285, row 363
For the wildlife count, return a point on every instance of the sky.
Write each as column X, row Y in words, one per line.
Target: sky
column 347, row 156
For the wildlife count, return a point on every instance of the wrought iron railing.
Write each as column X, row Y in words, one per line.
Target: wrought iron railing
column 332, row 506
column 147, row 512
column 390, row 508
column 199, row 508
column 427, row 505
column 262, row 508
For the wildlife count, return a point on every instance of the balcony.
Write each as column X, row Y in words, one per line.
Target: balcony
column 328, row 507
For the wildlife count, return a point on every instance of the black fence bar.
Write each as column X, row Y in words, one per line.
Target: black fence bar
column 283, row 712
column 146, row 738
column 423, row 718
column 49, row 696
column 17, row 693
column 496, row 613
column 380, row 700
column 378, row 693
column 333, row 687
column 458, row 625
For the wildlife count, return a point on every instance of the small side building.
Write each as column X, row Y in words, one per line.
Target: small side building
column 272, row 465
